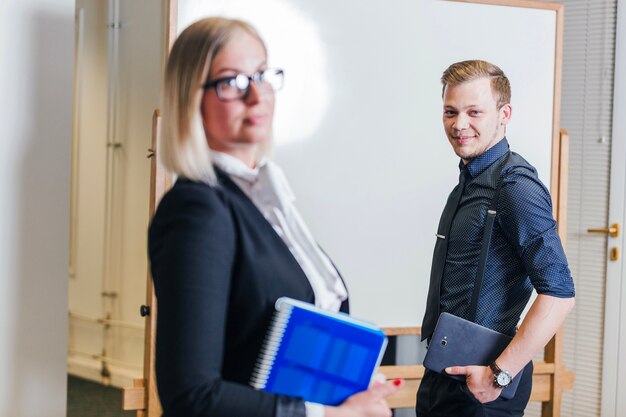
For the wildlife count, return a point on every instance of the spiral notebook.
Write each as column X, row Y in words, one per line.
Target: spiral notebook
column 320, row 356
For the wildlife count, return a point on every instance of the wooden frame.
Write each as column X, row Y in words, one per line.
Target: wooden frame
column 550, row 378
column 143, row 396
column 558, row 8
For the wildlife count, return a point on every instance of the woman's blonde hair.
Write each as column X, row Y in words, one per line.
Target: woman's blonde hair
column 183, row 144
column 463, row 71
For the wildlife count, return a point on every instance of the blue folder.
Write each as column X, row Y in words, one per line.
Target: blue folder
column 317, row 355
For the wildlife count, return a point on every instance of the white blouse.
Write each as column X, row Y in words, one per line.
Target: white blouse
column 267, row 187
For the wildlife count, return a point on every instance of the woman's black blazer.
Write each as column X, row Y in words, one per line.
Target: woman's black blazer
column 218, row 268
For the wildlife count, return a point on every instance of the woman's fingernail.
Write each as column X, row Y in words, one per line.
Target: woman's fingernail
column 379, row 378
column 397, row 382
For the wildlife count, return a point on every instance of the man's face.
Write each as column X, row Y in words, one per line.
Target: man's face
column 471, row 118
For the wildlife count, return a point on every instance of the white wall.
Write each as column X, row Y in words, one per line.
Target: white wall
column 36, row 57
column 358, row 124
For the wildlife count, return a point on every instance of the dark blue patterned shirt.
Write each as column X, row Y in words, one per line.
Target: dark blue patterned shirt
column 525, row 250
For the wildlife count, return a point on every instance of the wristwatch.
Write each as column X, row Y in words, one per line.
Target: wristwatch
column 500, row 378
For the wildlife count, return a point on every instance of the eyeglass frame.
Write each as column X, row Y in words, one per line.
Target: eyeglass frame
column 256, row 78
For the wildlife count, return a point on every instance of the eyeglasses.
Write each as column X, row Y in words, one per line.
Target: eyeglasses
column 238, row 86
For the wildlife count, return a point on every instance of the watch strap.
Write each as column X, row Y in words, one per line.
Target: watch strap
column 495, row 368
column 496, row 373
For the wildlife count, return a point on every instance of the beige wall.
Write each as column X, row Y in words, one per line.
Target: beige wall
column 112, row 183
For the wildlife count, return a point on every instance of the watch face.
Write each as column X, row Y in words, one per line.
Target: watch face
column 503, row 379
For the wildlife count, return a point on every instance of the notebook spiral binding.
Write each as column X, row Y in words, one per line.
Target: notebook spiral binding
column 270, row 346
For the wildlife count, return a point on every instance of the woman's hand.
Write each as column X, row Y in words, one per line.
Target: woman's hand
column 369, row 403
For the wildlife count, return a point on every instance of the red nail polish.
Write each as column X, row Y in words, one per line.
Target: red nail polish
column 397, row 382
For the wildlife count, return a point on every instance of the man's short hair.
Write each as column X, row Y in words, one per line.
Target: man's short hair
column 464, row 71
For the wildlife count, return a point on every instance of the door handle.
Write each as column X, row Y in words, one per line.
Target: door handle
column 612, row 230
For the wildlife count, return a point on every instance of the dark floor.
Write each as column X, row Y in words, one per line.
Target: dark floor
column 90, row 399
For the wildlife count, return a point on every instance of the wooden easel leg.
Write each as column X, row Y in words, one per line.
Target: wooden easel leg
column 553, row 354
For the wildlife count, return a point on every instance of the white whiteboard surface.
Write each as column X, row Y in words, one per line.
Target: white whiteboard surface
column 358, row 124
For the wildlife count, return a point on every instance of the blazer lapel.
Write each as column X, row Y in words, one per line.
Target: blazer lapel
column 260, row 221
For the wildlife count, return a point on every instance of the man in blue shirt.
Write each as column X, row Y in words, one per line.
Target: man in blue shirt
column 525, row 251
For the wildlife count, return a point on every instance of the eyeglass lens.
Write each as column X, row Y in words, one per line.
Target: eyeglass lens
column 237, row 87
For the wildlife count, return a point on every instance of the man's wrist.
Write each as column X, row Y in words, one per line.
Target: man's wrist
column 501, row 377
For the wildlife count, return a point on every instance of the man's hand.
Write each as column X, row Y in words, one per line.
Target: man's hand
column 479, row 380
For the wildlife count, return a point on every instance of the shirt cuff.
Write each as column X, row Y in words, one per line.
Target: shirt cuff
column 314, row 409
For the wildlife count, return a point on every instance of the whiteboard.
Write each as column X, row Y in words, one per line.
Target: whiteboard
column 358, row 126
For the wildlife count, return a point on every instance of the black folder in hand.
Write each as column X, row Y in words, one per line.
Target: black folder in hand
column 459, row 342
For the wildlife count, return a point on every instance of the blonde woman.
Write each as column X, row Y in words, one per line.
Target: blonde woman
column 227, row 241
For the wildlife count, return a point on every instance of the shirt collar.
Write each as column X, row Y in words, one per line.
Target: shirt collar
column 479, row 164
column 235, row 167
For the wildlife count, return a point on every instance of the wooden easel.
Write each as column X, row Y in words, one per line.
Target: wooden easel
column 143, row 396
column 550, row 377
